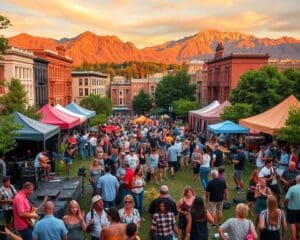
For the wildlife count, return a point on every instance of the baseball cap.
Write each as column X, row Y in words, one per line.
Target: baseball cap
column 96, row 198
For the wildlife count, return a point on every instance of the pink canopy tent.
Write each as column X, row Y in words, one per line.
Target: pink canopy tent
column 212, row 116
column 53, row 116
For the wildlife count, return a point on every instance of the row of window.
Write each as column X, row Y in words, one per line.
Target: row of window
column 98, row 91
column 23, row 73
column 41, row 95
column 40, row 74
column 59, row 72
column 83, row 90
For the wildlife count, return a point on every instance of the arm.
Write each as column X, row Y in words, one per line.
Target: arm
column 261, row 222
column 11, row 235
column 189, row 224
column 283, row 223
column 225, row 194
column 178, row 207
column 206, row 197
column 221, row 232
column 210, row 218
column 253, row 231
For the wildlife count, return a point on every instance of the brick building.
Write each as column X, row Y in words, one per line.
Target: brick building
column 40, row 75
column 59, row 75
column 224, row 71
column 85, row 83
column 120, row 94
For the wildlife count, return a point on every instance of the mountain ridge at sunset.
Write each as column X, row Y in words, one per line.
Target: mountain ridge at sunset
column 92, row 48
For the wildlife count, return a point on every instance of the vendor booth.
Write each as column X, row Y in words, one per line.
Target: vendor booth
column 82, row 117
column 73, row 107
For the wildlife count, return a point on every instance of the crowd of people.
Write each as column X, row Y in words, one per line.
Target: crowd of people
column 123, row 162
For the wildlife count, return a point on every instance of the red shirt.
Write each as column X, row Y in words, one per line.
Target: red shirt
column 128, row 177
column 20, row 205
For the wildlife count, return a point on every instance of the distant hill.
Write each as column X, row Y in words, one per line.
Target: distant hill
column 92, row 48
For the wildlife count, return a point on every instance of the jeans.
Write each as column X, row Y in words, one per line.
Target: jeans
column 138, row 199
column 164, row 237
column 204, row 171
column 109, row 204
column 96, row 190
column 26, row 233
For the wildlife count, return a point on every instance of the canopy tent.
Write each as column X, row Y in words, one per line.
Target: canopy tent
column 58, row 118
column 73, row 107
column 194, row 115
column 33, row 130
column 273, row 119
column 227, row 127
column 67, row 111
column 212, row 116
column 141, row 120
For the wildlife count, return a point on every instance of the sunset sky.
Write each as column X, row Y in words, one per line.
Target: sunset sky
column 151, row 22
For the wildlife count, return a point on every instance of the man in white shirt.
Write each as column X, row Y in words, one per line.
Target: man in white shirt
column 132, row 159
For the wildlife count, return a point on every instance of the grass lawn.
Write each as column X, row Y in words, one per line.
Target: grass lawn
column 176, row 186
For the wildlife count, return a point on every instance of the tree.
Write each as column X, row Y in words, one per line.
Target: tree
column 4, row 23
column 262, row 89
column 15, row 100
column 141, row 103
column 172, row 88
column 99, row 119
column 236, row 112
column 102, row 105
column 183, row 106
column 291, row 131
column 8, row 128
column 294, row 76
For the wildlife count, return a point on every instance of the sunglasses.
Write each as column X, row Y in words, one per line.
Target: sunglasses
column 128, row 202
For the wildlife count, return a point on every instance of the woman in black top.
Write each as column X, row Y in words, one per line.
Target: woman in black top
column 197, row 221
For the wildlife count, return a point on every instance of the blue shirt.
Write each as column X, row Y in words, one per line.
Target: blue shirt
column 109, row 185
column 49, row 228
column 172, row 154
column 293, row 195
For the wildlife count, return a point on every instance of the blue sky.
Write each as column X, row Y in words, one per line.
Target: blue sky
column 151, row 22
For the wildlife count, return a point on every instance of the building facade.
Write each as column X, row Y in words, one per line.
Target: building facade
column 283, row 64
column 85, row 83
column 18, row 63
column 120, row 94
column 40, row 75
column 59, row 75
column 223, row 72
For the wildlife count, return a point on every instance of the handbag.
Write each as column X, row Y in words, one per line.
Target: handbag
column 249, row 235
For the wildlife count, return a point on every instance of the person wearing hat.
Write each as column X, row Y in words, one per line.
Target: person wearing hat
column 116, row 230
column 96, row 218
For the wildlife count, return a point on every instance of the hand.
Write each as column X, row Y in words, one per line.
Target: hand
column 6, row 231
column 35, row 216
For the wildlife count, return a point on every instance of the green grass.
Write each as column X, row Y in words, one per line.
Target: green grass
column 176, row 186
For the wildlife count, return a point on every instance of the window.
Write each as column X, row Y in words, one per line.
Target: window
column 120, row 93
column 86, row 92
column 16, row 72
column 121, row 101
column 127, row 91
column 86, row 82
column 80, row 92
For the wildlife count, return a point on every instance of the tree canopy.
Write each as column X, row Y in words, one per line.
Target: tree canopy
column 291, row 131
column 102, row 105
column 236, row 112
column 174, row 87
column 8, row 128
column 183, row 106
column 142, row 102
column 4, row 23
column 15, row 100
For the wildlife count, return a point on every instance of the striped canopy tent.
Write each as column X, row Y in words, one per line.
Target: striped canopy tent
column 82, row 117
column 73, row 107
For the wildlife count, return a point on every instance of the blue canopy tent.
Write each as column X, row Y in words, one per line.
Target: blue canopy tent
column 227, row 127
column 34, row 130
column 73, row 107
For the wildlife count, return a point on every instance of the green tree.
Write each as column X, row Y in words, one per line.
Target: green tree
column 183, row 106
column 262, row 89
column 102, row 105
column 294, row 76
column 4, row 23
column 8, row 133
column 141, row 103
column 15, row 100
column 99, row 119
column 236, row 112
column 174, row 87
column 291, row 131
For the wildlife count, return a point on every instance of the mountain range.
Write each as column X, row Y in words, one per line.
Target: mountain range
column 92, row 48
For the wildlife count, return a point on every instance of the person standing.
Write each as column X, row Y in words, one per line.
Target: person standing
column 239, row 166
column 109, row 185
column 288, row 177
column 292, row 202
column 49, row 227
column 216, row 193
column 22, row 211
column 204, row 168
column 128, row 213
column 132, row 159
column 95, row 174
column 96, row 219
column 138, row 190
column 153, row 162
column 7, row 194
column 172, row 154
column 74, row 221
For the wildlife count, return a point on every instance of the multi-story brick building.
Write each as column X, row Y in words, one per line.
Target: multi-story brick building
column 120, row 94
column 40, row 75
column 18, row 63
column 224, row 71
column 283, row 64
column 85, row 83
column 59, row 75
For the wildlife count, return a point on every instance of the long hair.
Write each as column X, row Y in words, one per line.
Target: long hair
column 273, row 212
column 198, row 210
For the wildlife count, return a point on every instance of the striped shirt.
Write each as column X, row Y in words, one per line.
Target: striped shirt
column 271, row 227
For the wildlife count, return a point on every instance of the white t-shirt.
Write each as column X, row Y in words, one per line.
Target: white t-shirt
column 132, row 161
column 206, row 161
column 266, row 172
